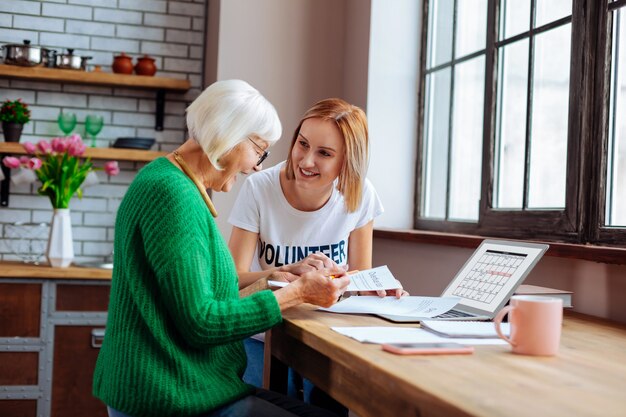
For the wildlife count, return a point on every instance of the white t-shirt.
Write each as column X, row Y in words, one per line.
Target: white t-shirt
column 287, row 235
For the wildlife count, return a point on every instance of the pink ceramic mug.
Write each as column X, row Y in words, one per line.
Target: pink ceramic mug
column 535, row 324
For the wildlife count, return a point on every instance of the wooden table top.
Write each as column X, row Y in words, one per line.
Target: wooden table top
column 586, row 378
column 10, row 269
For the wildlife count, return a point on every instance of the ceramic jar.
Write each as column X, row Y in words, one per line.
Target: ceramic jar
column 122, row 64
column 145, row 66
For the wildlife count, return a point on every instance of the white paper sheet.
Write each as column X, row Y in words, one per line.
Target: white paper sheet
column 406, row 306
column 276, row 284
column 391, row 334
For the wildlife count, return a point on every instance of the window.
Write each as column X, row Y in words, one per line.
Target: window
column 523, row 124
column 455, row 83
column 616, row 167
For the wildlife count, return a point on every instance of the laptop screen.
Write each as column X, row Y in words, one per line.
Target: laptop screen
column 492, row 274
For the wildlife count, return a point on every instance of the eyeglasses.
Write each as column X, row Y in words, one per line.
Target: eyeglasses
column 265, row 153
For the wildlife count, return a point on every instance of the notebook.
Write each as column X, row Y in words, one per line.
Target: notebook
column 487, row 280
column 465, row 329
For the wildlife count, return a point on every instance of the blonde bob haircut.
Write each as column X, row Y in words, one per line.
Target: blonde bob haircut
column 226, row 114
column 352, row 124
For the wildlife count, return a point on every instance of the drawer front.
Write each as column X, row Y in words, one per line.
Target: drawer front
column 82, row 297
column 18, row 368
column 20, row 310
column 18, row 408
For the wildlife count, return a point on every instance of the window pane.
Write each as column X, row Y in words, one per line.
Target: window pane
column 511, row 125
column 548, row 148
column 467, row 139
column 436, row 117
column 551, row 10
column 440, row 32
column 471, row 31
column 616, row 173
column 514, row 17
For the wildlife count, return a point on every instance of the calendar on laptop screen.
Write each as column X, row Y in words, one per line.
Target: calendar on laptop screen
column 492, row 273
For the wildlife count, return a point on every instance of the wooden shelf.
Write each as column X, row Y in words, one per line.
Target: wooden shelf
column 94, row 78
column 135, row 155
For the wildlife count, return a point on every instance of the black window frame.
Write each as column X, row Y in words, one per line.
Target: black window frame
column 582, row 219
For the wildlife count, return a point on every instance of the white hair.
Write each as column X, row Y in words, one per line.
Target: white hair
column 226, row 114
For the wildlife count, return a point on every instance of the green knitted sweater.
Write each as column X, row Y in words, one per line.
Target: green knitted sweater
column 173, row 343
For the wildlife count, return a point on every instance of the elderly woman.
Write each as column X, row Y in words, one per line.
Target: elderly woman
column 175, row 327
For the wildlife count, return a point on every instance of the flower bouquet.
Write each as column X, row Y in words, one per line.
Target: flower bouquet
column 59, row 166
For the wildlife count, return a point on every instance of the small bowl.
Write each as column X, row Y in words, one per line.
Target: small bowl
column 133, row 143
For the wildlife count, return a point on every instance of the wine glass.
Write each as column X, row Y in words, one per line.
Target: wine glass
column 93, row 126
column 67, row 122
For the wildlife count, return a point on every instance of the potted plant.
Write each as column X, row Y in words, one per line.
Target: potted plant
column 14, row 114
column 60, row 167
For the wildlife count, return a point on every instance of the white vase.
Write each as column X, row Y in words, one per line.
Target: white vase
column 60, row 251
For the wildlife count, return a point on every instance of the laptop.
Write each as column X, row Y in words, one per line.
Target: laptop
column 486, row 281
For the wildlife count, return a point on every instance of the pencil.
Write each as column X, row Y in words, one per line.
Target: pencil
column 354, row 271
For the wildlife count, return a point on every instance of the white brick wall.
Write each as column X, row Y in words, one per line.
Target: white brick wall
column 21, row 7
column 171, row 32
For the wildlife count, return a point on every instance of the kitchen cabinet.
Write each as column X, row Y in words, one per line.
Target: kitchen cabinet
column 50, row 319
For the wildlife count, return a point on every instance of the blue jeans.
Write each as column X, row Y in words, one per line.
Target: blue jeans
column 261, row 403
column 297, row 387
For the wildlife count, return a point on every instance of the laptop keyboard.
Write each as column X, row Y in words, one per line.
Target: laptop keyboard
column 452, row 313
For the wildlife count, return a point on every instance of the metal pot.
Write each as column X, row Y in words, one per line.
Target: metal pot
column 25, row 55
column 71, row 61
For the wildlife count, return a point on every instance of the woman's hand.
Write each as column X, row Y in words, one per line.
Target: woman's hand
column 284, row 276
column 397, row 292
column 324, row 287
column 315, row 261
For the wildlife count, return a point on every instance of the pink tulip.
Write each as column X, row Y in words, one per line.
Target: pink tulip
column 76, row 148
column 112, row 168
column 24, row 160
column 30, row 148
column 44, row 147
column 11, row 162
column 34, row 163
column 59, row 145
column 75, row 138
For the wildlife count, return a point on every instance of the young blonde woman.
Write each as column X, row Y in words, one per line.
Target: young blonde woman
column 315, row 210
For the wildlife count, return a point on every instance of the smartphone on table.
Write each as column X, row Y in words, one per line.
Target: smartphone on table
column 439, row 348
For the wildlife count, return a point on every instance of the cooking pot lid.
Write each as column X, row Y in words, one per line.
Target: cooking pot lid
column 70, row 53
column 25, row 43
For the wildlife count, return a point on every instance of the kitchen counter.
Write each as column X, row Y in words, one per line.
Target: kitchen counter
column 10, row 269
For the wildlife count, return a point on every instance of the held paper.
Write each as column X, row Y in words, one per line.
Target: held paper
column 373, row 279
column 369, row 280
